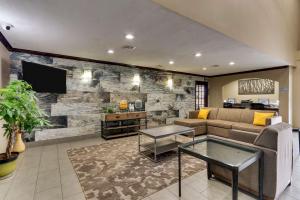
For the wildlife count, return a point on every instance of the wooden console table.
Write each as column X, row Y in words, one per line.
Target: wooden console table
column 122, row 124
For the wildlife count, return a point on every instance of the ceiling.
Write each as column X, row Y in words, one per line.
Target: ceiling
column 89, row 28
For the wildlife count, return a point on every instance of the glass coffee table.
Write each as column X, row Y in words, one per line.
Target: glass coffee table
column 162, row 140
column 229, row 155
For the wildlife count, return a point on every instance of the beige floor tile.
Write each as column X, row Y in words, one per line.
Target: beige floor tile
column 293, row 192
column 163, row 195
column 212, row 193
column 79, row 196
column 47, row 180
column 25, row 192
column 51, row 194
column 49, row 165
column 4, row 187
column 71, row 188
column 187, row 192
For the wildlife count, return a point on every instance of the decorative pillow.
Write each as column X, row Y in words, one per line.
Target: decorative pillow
column 260, row 118
column 203, row 113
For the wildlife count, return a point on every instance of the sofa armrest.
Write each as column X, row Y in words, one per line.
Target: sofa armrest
column 193, row 114
column 277, row 163
column 273, row 120
column 274, row 136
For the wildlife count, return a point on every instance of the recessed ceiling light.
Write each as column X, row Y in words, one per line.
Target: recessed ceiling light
column 198, row 54
column 129, row 37
column 204, row 68
column 171, row 62
column 110, row 51
column 232, row 63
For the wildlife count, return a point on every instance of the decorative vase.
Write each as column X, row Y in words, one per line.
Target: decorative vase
column 19, row 145
column 123, row 105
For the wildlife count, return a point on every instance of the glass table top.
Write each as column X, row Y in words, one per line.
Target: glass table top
column 225, row 152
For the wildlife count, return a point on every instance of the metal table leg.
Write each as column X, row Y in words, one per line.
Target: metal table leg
column 261, row 177
column 209, row 174
column 179, row 172
column 155, row 159
column 139, row 141
column 235, row 184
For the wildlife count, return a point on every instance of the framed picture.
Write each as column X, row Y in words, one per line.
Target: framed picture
column 256, row 86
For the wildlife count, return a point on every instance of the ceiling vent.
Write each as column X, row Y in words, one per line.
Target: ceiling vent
column 128, row 47
column 215, row 66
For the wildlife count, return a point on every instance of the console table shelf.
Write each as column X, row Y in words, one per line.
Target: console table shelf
column 122, row 124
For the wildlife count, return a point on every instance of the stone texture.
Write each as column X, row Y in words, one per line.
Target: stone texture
column 77, row 111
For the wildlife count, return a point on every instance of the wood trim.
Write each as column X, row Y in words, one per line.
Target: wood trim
column 251, row 71
column 5, row 42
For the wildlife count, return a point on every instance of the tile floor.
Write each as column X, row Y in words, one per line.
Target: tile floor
column 45, row 173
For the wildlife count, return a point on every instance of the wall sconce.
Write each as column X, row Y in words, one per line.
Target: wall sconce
column 136, row 80
column 86, row 76
column 170, row 83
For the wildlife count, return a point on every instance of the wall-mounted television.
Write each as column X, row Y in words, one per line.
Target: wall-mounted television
column 44, row 78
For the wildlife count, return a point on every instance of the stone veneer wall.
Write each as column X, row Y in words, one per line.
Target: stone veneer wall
column 78, row 111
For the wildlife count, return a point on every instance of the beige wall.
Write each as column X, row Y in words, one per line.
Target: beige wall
column 4, row 78
column 230, row 90
column 270, row 26
column 215, row 96
column 296, row 93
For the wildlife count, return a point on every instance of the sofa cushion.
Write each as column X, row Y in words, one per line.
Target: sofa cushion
column 203, row 113
column 247, row 127
column 229, row 114
column 247, row 116
column 220, row 123
column 213, row 113
column 243, row 136
column 260, row 118
column 190, row 122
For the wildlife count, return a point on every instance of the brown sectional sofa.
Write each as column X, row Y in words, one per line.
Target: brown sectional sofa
column 275, row 140
column 221, row 121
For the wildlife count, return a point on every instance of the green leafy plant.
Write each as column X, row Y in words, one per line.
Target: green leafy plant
column 20, row 111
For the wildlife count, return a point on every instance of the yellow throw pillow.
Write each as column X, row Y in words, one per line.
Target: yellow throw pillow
column 203, row 113
column 260, row 118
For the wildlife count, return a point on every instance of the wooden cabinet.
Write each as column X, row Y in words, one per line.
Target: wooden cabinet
column 122, row 124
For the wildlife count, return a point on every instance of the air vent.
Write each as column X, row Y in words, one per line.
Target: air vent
column 128, row 47
column 215, row 65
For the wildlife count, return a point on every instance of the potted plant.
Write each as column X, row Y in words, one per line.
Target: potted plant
column 20, row 113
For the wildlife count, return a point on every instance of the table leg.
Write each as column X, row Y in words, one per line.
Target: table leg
column 235, row 184
column 179, row 172
column 261, row 178
column 155, row 159
column 139, row 141
column 209, row 174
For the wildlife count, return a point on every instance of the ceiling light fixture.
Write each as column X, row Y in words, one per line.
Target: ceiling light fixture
column 232, row 63
column 171, row 62
column 198, row 54
column 110, row 51
column 129, row 37
column 204, row 68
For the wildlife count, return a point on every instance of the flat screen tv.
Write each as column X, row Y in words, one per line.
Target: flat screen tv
column 44, row 78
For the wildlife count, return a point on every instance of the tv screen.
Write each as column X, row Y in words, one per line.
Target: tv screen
column 43, row 78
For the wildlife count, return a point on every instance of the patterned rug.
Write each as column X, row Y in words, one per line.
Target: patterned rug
column 115, row 170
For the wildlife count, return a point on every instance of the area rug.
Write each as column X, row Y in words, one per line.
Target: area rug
column 115, row 170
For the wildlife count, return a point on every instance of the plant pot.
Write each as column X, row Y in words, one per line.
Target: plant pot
column 7, row 166
column 19, row 145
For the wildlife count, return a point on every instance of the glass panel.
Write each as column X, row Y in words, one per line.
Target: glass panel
column 221, row 152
